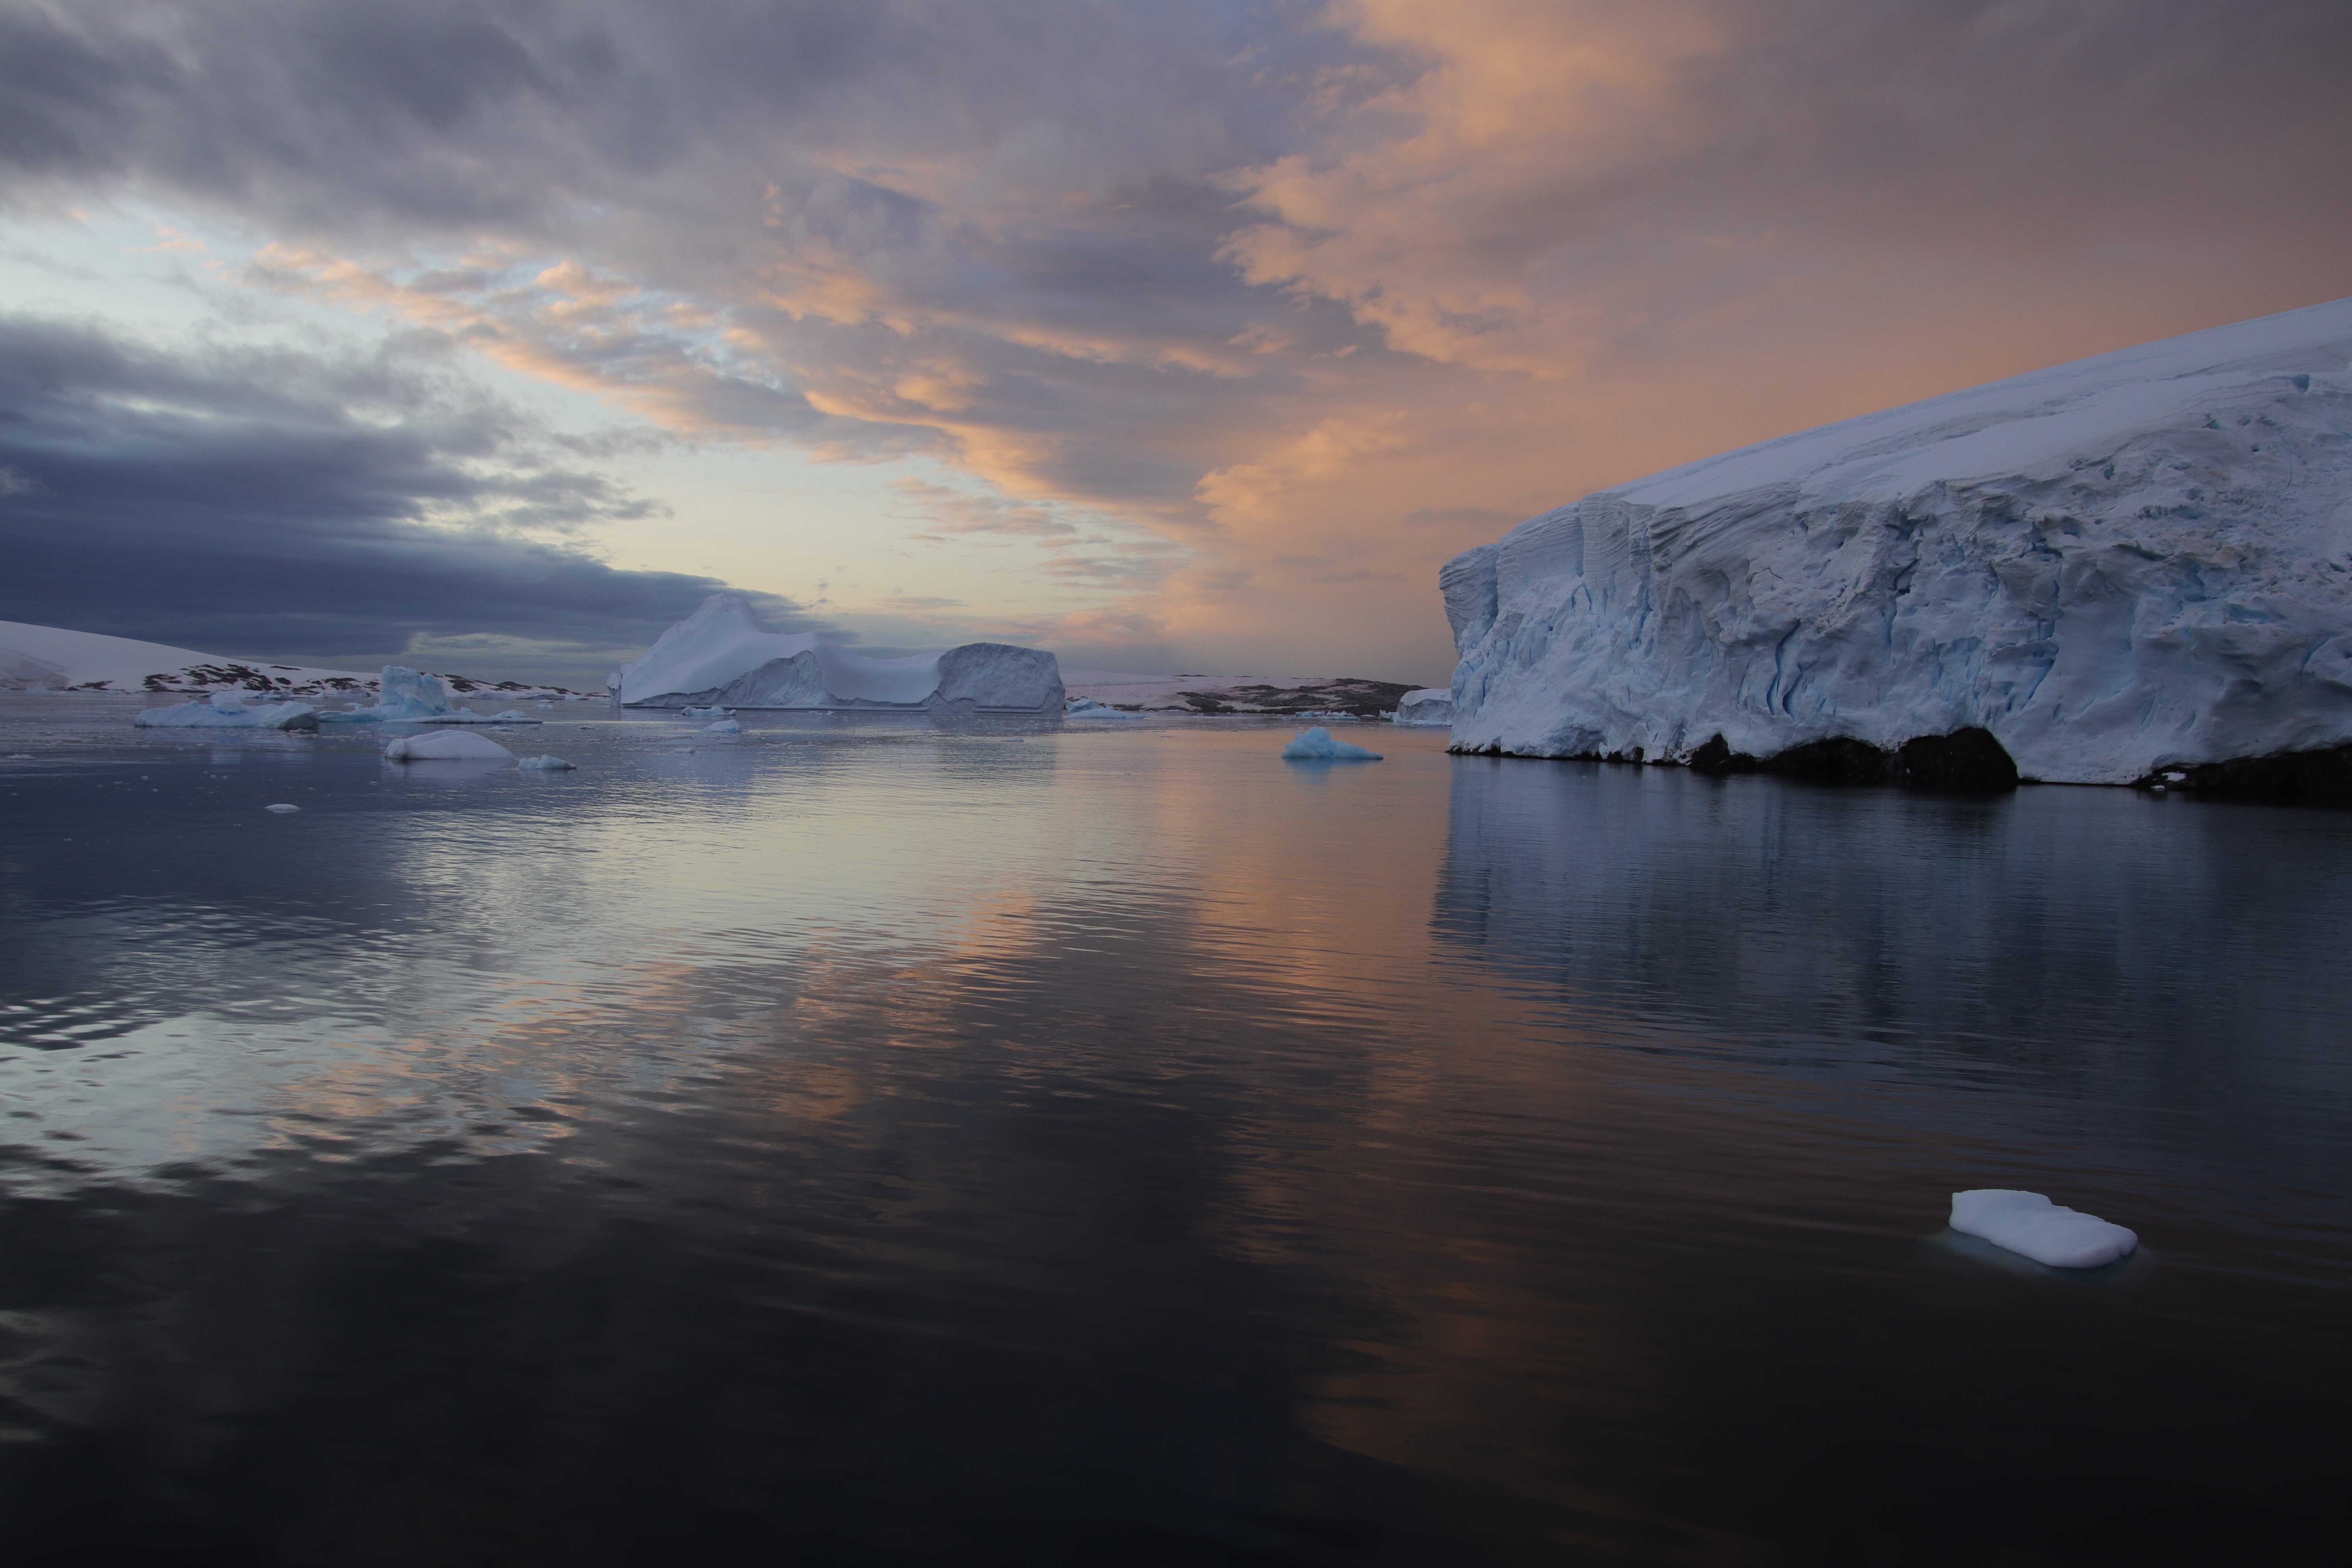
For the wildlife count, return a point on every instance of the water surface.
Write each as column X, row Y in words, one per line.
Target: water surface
column 879, row 1141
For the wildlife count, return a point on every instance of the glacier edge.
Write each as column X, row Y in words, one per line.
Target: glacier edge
column 2131, row 563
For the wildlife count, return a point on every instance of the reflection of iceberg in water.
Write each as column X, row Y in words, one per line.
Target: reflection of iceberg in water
column 2032, row 942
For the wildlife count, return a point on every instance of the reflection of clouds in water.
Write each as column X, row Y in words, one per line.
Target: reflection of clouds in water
column 2104, row 964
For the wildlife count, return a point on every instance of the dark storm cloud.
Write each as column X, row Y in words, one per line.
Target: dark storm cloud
column 276, row 502
column 1273, row 279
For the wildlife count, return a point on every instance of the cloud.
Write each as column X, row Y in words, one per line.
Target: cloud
column 275, row 501
column 1303, row 295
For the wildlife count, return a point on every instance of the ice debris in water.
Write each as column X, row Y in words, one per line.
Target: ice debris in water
column 281, row 808
column 227, row 711
column 512, row 716
column 1317, row 745
column 443, row 746
column 724, row 726
column 547, row 764
column 2032, row 1225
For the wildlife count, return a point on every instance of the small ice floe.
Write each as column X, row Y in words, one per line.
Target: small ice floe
column 1317, row 746
column 2031, row 1224
column 227, row 711
column 547, row 764
column 444, row 746
column 512, row 716
column 724, row 726
column 281, row 808
column 711, row 712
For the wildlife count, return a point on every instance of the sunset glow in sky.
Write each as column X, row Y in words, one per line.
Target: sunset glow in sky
column 1170, row 336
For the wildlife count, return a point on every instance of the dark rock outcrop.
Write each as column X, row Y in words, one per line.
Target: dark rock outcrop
column 1969, row 760
column 2310, row 778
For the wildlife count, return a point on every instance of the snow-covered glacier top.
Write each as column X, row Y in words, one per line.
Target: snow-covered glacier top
column 722, row 653
column 2130, row 562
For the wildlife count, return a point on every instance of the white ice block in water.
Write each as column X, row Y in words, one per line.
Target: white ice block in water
column 722, row 657
column 227, row 711
column 1432, row 705
column 1317, row 745
column 724, row 726
column 2031, row 1224
column 547, row 764
column 281, row 809
column 444, row 746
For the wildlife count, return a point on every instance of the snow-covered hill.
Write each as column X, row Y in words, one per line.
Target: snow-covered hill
column 2133, row 561
column 53, row 659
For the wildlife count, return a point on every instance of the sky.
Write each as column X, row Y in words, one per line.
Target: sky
column 1173, row 337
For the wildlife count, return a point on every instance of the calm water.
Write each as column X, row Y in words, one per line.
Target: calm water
column 869, row 1141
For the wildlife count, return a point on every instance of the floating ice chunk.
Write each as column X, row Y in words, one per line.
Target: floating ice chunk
column 281, row 808
column 724, row 726
column 2032, row 1225
column 547, row 764
column 406, row 696
column 713, row 712
column 227, row 711
column 1432, row 705
column 1317, row 746
column 443, row 746
column 722, row 655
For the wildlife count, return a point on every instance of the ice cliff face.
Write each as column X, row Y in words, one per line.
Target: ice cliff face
column 721, row 655
column 2133, row 561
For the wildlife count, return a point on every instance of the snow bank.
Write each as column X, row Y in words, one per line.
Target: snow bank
column 1432, row 705
column 2030, row 1224
column 723, row 656
column 59, row 658
column 2138, row 561
column 444, row 746
column 229, row 710
column 1317, row 746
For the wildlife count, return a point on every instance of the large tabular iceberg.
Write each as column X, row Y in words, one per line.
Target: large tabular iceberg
column 2137, row 562
column 722, row 655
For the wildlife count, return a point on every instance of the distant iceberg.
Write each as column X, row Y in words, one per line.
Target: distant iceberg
column 722, row 655
column 1317, row 745
column 1431, row 706
column 410, row 697
column 446, row 746
column 2100, row 571
column 229, row 710
column 2031, row 1225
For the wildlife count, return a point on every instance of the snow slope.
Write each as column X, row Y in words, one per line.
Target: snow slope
column 2130, row 562
column 53, row 657
column 722, row 653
